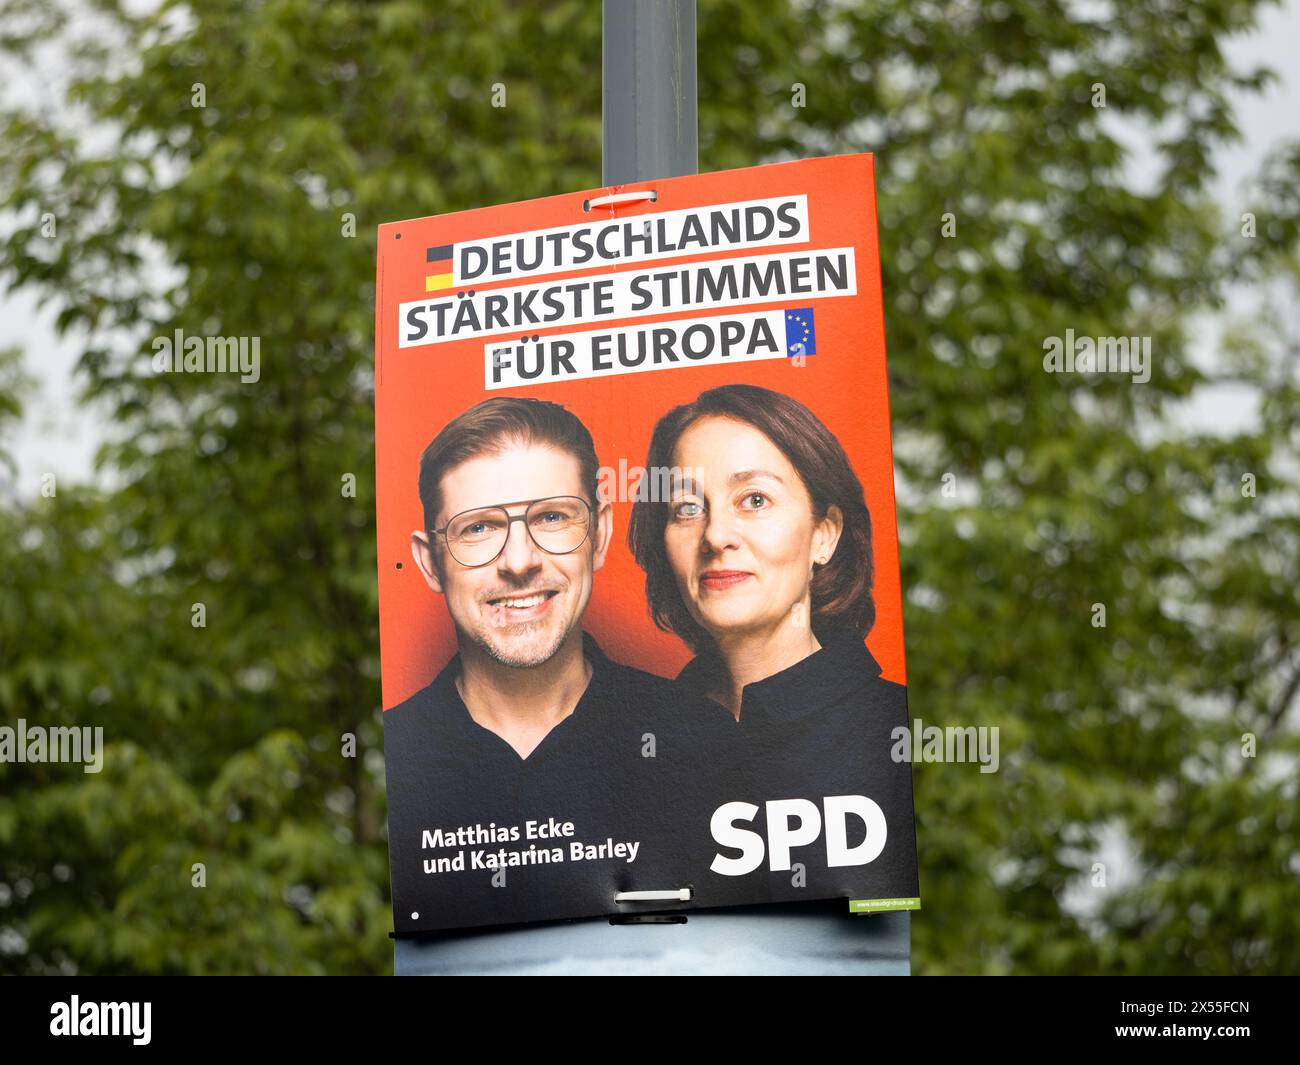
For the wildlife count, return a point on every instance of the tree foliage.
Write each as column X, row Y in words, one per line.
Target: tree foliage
column 234, row 218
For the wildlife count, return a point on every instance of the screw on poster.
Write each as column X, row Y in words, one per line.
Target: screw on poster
column 640, row 616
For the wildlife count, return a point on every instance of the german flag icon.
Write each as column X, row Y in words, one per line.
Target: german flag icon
column 439, row 275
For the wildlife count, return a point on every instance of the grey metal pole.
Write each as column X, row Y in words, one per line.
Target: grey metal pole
column 649, row 120
column 650, row 132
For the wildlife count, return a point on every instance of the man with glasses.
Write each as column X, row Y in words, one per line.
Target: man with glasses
column 530, row 740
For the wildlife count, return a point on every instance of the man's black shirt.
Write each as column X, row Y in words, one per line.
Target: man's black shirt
column 608, row 768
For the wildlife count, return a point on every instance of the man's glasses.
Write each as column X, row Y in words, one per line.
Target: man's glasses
column 558, row 525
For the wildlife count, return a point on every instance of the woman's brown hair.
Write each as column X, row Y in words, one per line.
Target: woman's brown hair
column 841, row 589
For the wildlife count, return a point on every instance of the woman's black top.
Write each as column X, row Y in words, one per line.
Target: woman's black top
column 825, row 726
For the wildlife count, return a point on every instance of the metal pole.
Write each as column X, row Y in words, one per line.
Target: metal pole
column 649, row 91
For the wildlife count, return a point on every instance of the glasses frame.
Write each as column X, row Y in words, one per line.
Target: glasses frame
column 527, row 504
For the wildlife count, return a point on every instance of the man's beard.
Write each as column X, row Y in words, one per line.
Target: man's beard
column 528, row 647
column 528, row 657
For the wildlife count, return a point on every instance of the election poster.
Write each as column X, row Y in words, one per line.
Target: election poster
column 640, row 616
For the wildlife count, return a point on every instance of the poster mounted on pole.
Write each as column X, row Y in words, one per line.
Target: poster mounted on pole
column 640, row 617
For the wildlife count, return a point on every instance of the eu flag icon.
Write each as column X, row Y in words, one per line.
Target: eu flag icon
column 800, row 331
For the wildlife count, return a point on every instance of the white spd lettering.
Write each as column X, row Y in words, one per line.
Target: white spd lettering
column 796, row 823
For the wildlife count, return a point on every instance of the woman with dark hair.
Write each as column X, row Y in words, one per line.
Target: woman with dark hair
column 762, row 554
column 760, row 560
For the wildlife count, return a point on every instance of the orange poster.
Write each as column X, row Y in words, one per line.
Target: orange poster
column 641, row 625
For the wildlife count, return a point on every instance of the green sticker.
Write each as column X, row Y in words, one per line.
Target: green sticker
column 881, row 905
